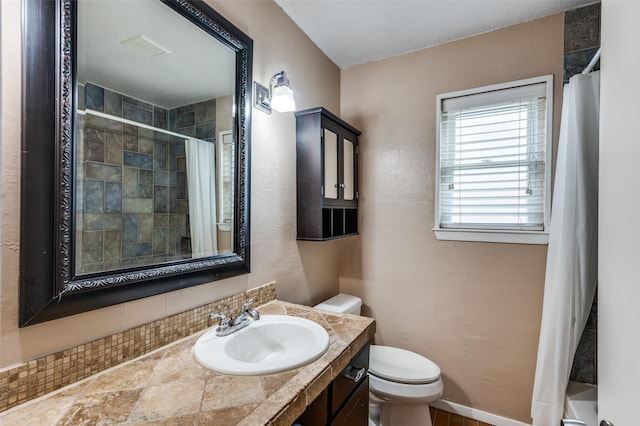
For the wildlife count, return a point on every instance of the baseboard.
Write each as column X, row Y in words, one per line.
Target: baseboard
column 474, row 413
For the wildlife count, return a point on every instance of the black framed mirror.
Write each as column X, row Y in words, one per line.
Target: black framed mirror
column 135, row 152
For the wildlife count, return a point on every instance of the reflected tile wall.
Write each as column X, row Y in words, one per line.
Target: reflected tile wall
column 197, row 120
column 127, row 177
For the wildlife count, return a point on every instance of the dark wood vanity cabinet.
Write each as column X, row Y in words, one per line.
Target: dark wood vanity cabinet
column 345, row 402
column 327, row 175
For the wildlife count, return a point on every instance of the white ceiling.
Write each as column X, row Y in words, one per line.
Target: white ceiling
column 353, row 32
column 199, row 67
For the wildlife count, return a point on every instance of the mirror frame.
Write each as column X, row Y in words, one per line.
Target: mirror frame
column 49, row 287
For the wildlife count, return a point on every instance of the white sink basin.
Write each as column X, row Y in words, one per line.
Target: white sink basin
column 272, row 344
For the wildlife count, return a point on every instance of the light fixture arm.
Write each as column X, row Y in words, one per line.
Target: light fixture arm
column 280, row 79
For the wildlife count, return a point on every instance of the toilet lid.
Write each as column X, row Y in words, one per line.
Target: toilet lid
column 401, row 366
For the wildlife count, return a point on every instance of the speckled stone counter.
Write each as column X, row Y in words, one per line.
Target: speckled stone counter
column 168, row 387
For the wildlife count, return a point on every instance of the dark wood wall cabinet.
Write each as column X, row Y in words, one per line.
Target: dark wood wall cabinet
column 327, row 175
column 345, row 402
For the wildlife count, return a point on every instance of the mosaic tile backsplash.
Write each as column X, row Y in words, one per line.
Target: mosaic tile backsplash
column 29, row 380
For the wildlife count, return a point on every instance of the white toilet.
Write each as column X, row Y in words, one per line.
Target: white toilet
column 401, row 382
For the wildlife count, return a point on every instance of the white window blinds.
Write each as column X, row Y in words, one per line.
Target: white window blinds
column 226, row 149
column 493, row 150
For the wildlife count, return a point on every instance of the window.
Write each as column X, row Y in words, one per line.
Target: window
column 226, row 174
column 494, row 163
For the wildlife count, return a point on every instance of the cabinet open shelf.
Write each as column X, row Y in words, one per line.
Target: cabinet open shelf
column 337, row 222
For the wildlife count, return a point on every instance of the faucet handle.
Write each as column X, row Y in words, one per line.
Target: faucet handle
column 223, row 319
column 251, row 312
column 246, row 305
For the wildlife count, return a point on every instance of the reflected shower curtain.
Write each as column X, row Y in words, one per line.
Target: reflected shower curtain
column 201, row 183
column 572, row 257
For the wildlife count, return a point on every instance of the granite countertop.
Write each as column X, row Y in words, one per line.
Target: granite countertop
column 168, row 387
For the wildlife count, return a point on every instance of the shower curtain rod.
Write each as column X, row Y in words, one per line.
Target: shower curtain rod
column 133, row 123
column 592, row 64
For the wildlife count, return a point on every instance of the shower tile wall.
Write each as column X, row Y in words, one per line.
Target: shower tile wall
column 581, row 41
column 585, row 362
column 134, row 205
column 581, row 38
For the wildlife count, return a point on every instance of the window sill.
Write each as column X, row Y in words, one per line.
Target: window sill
column 509, row 237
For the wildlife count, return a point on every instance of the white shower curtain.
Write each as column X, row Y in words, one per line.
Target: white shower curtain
column 201, row 183
column 572, row 257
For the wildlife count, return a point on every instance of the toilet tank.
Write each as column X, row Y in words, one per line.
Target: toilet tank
column 342, row 303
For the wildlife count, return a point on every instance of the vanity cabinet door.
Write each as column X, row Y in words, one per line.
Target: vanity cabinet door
column 327, row 176
column 356, row 411
column 345, row 402
column 317, row 413
column 352, row 376
column 350, row 392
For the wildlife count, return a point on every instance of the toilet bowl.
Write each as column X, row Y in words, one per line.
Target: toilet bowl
column 401, row 382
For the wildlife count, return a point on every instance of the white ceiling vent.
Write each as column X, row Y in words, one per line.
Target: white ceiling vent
column 145, row 46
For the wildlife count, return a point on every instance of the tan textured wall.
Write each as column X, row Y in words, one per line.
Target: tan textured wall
column 473, row 308
column 304, row 272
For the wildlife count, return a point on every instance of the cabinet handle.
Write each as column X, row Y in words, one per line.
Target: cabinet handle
column 354, row 373
column 342, row 185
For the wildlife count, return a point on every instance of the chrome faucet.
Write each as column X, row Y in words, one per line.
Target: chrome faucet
column 243, row 319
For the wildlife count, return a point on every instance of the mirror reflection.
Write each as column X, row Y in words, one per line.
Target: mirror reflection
column 155, row 142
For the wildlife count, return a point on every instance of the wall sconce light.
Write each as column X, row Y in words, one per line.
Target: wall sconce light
column 278, row 96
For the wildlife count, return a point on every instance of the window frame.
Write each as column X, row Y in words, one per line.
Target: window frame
column 488, row 234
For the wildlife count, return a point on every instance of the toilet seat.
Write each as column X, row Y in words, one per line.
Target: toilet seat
column 402, row 366
column 402, row 393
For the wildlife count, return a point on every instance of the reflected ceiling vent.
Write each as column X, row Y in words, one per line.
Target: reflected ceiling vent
column 145, row 46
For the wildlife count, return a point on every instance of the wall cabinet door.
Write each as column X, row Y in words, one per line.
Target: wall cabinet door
column 340, row 151
column 331, row 166
column 349, row 169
